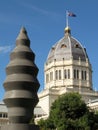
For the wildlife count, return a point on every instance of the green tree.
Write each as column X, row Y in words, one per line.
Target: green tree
column 69, row 112
column 46, row 124
column 42, row 124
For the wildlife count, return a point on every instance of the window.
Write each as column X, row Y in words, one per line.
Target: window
column 0, row 114
column 84, row 75
column 68, row 73
column 65, row 74
column 56, row 74
column 51, row 76
column 47, row 78
column 53, row 48
column 4, row 115
column 77, row 46
column 63, row 46
column 59, row 74
column 76, row 74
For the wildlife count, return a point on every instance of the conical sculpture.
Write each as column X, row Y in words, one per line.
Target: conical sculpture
column 21, row 85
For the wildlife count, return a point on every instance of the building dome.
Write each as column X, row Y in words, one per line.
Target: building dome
column 67, row 69
column 67, row 48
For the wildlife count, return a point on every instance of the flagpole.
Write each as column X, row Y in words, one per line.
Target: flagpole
column 66, row 18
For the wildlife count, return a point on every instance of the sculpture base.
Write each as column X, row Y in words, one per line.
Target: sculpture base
column 20, row 127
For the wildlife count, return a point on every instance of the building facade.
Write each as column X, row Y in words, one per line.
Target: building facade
column 67, row 69
column 3, row 114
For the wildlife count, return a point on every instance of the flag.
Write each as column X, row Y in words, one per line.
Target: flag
column 71, row 14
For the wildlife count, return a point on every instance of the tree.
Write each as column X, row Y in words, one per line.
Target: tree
column 42, row 124
column 69, row 112
column 46, row 124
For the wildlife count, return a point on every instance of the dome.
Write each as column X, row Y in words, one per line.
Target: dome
column 67, row 48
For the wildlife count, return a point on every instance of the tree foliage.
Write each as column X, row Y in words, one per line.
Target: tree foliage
column 69, row 112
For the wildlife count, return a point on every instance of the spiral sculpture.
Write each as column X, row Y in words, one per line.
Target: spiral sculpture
column 21, row 84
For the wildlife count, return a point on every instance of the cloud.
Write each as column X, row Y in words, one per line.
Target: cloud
column 25, row 12
column 39, row 10
column 34, row 8
column 6, row 49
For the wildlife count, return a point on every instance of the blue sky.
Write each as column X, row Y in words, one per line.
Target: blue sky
column 45, row 21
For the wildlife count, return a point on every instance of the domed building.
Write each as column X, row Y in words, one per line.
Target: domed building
column 67, row 69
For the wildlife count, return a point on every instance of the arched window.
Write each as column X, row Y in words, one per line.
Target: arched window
column 63, row 46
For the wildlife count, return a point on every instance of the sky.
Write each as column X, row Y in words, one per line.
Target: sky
column 45, row 21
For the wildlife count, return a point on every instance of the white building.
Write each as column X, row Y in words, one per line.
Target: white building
column 3, row 114
column 67, row 69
